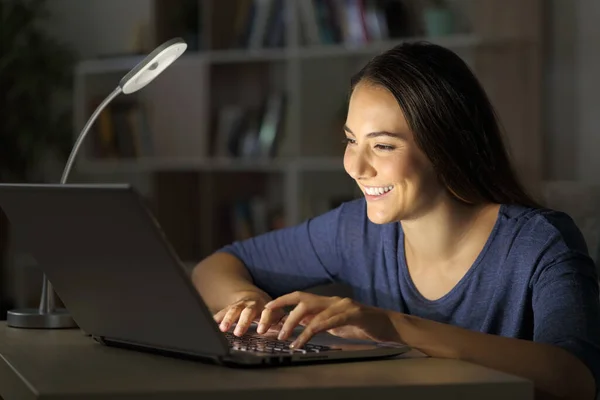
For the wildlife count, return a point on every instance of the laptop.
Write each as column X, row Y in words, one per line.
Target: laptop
column 116, row 273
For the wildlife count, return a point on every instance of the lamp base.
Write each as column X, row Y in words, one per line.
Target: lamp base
column 31, row 318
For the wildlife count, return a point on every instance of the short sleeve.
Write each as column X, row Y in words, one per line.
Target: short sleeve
column 294, row 258
column 566, row 307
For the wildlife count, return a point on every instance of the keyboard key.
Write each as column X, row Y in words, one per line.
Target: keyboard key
column 262, row 344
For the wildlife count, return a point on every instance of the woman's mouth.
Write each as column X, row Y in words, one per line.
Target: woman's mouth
column 377, row 192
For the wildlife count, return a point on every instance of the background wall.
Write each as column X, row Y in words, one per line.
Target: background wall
column 588, row 73
column 571, row 81
column 572, row 84
column 96, row 28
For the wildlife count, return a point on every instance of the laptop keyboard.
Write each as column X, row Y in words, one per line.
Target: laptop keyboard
column 262, row 344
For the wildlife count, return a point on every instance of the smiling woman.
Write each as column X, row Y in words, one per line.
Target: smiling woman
column 446, row 252
column 437, row 104
column 383, row 157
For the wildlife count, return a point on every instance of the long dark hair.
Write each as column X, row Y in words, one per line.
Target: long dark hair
column 452, row 120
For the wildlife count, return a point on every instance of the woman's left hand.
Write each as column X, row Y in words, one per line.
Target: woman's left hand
column 342, row 317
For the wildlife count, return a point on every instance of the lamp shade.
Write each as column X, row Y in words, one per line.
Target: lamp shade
column 151, row 66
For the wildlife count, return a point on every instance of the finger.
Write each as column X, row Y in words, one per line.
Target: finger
column 245, row 319
column 307, row 320
column 320, row 325
column 279, row 324
column 293, row 319
column 306, row 310
column 342, row 308
column 220, row 315
column 268, row 318
column 232, row 315
column 290, row 299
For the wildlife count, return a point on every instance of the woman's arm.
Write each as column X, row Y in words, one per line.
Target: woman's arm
column 562, row 371
column 222, row 279
column 555, row 372
column 270, row 264
column 292, row 258
column 240, row 278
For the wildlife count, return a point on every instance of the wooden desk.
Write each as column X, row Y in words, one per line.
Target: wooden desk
column 40, row 364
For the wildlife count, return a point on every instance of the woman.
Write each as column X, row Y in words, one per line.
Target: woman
column 445, row 252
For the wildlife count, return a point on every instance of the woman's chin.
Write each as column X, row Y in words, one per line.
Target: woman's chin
column 380, row 217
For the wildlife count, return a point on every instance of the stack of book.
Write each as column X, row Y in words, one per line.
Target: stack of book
column 259, row 23
column 355, row 22
column 249, row 132
column 122, row 131
column 252, row 217
column 262, row 23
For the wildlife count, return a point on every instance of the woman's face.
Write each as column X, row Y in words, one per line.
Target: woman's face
column 397, row 179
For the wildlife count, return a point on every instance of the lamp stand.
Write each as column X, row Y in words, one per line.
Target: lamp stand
column 44, row 317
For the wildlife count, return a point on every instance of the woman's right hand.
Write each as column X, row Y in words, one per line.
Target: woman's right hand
column 250, row 307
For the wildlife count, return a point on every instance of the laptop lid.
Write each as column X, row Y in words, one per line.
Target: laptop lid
column 111, row 265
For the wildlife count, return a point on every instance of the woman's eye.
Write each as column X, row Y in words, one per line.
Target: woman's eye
column 348, row 141
column 384, row 147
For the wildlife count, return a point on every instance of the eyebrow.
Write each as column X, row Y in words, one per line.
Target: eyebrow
column 378, row 134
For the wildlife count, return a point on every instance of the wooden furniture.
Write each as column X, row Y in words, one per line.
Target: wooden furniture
column 509, row 67
column 205, row 198
column 40, row 364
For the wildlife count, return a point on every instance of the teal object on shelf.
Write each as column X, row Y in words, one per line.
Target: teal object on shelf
column 438, row 22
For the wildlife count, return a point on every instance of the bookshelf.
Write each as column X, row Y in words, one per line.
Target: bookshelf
column 285, row 74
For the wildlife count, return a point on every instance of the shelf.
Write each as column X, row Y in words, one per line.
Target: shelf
column 245, row 55
column 180, row 164
column 108, row 64
column 319, row 164
column 341, row 50
column 189, row 103
column 127, row 62
column 216, row 165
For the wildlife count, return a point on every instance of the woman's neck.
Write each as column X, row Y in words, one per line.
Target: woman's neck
column 450, row 231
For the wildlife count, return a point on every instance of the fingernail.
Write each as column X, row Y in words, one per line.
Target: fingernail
column 224, row 326
column 268, row 305
column 293, row 345
column 281, row 335
column 261, row 328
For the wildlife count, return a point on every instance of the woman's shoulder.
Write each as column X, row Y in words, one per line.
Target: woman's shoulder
column 354, row 206
column 542, row 229
column 352, row 214
column 348, row 210
column 350, row 221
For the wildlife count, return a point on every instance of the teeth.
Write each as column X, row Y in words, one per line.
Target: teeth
column 378, row 191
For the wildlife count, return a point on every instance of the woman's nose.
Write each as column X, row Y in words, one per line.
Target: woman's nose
column 358, row 165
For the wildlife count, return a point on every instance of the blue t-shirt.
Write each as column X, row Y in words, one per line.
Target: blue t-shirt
column 533, row 279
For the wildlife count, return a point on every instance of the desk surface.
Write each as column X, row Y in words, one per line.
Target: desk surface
column 57, row 364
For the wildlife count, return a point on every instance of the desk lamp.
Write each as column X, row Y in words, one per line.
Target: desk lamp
column 47, row 316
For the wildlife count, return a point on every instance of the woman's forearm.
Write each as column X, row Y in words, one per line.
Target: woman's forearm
column 554, row 372
column 221, row 278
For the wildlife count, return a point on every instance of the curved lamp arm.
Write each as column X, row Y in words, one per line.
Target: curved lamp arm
column 140, row 76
